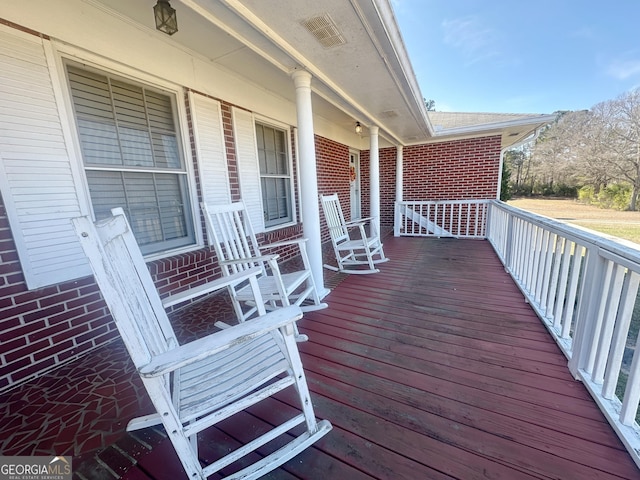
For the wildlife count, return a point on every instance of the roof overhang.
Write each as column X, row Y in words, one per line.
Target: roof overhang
column 362, row 73
column 367, row 77
column 514, row 129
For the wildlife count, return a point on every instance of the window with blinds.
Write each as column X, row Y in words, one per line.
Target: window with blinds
column 132, row 159
column 275, row 177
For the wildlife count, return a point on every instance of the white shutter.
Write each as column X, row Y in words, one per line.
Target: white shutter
column 212, row 157
column 36, row 176
column 248, row 170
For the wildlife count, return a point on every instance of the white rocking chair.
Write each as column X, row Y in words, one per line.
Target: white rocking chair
column 231, row 234
column 352, row 253
column 196, row 385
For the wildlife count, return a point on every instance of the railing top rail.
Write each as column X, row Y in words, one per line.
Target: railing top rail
column 440, row 202
column 583, row 236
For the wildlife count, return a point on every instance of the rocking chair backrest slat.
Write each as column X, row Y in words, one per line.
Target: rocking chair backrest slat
column 197, row 385
column 335, row 218
column 128, row 300
column 232, row 235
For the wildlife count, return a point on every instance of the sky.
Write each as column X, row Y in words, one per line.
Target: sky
column 521, row 56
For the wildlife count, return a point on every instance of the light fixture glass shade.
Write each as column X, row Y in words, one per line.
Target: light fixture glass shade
column 166, row 20
column 358, row 128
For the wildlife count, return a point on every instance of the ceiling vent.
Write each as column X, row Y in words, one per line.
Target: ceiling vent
column 325, row 30
column 389, row 114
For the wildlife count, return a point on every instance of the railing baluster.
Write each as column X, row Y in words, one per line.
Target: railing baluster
column 546, row 278
column 605, row 320
column 621, row 330
column 508, row 241
column 537, row 262
column 574, row 279
column 452, row 216
column 632, row 391
column 524, row 249
column 553, row 288
column 531, row 255
column 521, row 241
column 564, row 282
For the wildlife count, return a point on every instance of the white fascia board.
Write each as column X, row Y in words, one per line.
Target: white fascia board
column 385, row 11
column 492, row 127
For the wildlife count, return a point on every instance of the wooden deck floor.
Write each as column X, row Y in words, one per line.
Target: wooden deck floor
column 435, row 368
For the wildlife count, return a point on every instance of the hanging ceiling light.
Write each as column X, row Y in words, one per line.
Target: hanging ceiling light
column 358, row 128
column 166, row 20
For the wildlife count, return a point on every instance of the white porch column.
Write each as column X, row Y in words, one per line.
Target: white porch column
column 308, row 177
column 374, row 178
column 399, row 190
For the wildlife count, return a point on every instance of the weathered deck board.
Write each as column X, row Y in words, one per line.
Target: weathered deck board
column 434, row 368
column 439, row 351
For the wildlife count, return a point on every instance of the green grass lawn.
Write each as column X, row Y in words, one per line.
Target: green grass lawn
column 616, row 223
column 628, row 232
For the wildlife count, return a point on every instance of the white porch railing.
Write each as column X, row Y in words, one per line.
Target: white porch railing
column 455, row 218
column 583, row 286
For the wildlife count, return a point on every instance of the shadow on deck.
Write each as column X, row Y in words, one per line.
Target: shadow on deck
column 433, row 368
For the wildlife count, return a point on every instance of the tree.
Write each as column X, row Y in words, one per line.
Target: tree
column 554, row 155
column 430, row 104
column 624, row 124
column 599, row 148
column 514, row 161
column 505, row 182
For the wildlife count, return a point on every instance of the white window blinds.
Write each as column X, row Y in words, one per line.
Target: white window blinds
column 132, row 158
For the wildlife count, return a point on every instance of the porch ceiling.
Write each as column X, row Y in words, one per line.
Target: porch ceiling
column 365, row 79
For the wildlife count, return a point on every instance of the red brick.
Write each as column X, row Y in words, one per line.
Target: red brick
column 26, row 350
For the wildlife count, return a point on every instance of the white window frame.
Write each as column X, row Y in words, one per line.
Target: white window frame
column 269, row 122
column 69, row 54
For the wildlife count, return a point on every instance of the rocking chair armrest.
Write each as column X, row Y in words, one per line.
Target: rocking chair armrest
column 261, row 258
column 358, row 222
column 205, row 347
column 210, row 287
column 284, row 243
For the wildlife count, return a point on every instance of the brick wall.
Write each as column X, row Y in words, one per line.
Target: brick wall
column 39, row 329
column 43, row 327
column 387, row 161
column 459, row 170
column 332, row 160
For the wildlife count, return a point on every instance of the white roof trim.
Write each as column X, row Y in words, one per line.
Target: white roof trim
column 486, row 127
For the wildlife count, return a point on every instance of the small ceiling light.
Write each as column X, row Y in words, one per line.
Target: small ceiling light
column 358, row 128
column 166, row 20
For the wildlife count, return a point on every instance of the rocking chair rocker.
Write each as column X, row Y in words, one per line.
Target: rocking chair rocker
column 352, row 253
column 196, row 385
